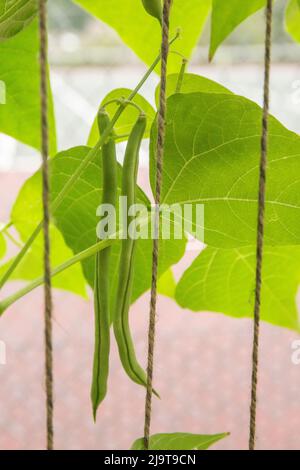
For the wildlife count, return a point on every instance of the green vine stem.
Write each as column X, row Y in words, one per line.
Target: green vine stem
column 4, row 227
column 56, row 203
column 12, row 238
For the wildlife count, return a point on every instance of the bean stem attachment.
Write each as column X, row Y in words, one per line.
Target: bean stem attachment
column 181, row 75
column 6, row 226
column 122, row 102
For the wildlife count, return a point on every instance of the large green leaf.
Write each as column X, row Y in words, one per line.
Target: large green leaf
column 212, row 156
column 128, row 117
column 167, row 284
column 223, row 281
column 179, row 441
column 2, row 92
column 29, row 201
column 31, row 267
column 142, row 33
column 191, row 83
column 15, row 15
column 292, row 19
column 19, row 70
column 2, row 245
column 227, row 15
column 76, row 218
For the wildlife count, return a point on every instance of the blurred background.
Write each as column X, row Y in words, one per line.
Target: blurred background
column 88, row 60
column 203, row 359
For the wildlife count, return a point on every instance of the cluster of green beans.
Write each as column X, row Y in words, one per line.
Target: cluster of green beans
column 125, row 281
column 154, row 8
column 102, row 266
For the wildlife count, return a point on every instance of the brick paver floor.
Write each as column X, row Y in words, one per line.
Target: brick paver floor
column 202, row 372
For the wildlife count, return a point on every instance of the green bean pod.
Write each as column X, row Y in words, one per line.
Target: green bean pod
column 101, row 282
column 124, row 290
column 154, row 8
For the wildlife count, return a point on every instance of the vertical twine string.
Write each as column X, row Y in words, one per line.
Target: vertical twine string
column 155, row 253
column 46, row 221
column 261, row 223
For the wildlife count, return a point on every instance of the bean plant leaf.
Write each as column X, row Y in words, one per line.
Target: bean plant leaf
column 15, row 15
column 29, row 202
column 2, row 245
column 19, row 70
column 212, row 155
column 127, row 119
column 224, row 281
column 292, row 19
column 142, row 33
column 31, row 267
column 191, row 83
column 179, row 441
column 226, row 16
column 167, row 285
column 76, row 219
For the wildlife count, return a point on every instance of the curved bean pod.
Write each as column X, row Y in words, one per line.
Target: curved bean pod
column 124, row 290
column 101, row 283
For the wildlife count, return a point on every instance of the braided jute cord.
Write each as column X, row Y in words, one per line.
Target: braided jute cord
column 155, row 254
column 261, row 222
column 46, row 221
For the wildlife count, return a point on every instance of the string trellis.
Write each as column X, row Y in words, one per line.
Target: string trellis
column 261, row 223
column 46, row 221
column 155, row 253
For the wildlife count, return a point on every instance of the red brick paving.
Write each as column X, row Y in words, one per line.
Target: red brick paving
column 202, row 373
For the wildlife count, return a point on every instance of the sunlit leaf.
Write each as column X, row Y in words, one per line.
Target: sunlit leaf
column 179, row 441
column 2, row 245
column 167, row 285
column 191, row 83
column 142, row 33
column 292, row 19
column 19, row 70
column 224, row 281
column 29, row 201
column 227, row 15
column 211, row 158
